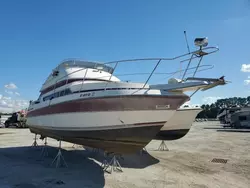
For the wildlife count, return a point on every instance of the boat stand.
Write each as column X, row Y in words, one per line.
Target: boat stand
column 59, row 160
column 163, row 146
column 45, row 151
column 111, row 166
column 35, row 142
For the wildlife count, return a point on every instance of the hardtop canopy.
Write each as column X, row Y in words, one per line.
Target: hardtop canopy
column 84, row 64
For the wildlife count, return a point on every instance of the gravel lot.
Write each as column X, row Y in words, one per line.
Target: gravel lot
column 186, row 164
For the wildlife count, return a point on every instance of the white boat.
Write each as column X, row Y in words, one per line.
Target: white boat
column 179, row 125
column 84, row 103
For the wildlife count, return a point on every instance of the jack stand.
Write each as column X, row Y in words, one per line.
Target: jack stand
column 60, row 162
column 114, row 165
column 143, row 151
column 45, row 152
column 35, row 142
column 163, row 146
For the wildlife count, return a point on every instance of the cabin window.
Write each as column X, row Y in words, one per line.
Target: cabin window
column 67, row 91
column 55, row 73
column 37, row 102
column 57, row 94
column 62, row 93
column 242, row 118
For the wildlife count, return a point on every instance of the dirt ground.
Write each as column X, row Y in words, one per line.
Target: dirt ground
column 186, row 164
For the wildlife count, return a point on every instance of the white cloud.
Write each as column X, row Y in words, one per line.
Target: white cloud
column 9, row 92
column 12, row 104
column 247, row 82
column 210, row 100
column 6, row 98
column 245, row 67
column 3, row 103
column 10, row 86
column 7, row 104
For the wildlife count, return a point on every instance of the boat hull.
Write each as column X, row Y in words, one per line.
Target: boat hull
column 119, row 140
column 178, row 125
column 122, row 124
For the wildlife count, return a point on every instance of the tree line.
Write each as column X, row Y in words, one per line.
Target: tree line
column 211, row 111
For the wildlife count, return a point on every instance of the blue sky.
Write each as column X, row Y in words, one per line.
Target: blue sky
column 36, row 35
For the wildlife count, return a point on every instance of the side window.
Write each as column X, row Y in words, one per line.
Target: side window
column 57, row 94
column 37, row 102
column 67, row 92
column 49, row 97
column 62, row 93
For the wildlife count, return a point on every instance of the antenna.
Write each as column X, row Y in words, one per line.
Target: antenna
column 188, row 52
column 186, row 41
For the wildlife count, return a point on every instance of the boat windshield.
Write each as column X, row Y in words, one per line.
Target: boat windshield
column 85, row 64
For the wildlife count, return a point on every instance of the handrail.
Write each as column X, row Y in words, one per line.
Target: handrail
column 157, row 73
column 152, row 73
column 167, row 59
column 150, row 59
column 194, row 54
column 111, row 75
column 83, row 79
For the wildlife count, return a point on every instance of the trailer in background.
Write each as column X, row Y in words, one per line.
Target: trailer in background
column 241, row 119
column 17, row 119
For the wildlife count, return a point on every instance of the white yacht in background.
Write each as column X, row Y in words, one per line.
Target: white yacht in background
column 180, row 123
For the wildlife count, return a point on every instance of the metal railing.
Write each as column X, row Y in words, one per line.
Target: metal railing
column 188, row 57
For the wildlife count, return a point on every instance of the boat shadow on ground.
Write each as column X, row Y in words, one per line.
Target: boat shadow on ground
column 235, row 130
column 226, row 129
column 137, row 160
column 25, row 167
